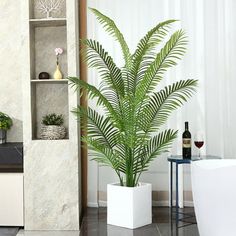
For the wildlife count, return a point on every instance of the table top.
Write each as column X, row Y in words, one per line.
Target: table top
column 179, row 158
column 11, row 145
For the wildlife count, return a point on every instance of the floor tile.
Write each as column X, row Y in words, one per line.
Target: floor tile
column 165, row 229
column 94, row 224
column 8, row 231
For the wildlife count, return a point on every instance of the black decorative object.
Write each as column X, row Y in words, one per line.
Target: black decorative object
column 44, row 75
column 3, row 136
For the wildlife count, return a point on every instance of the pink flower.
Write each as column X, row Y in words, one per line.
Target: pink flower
column 58, row 51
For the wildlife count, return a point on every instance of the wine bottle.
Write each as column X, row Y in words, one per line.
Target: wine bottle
column 186, row 143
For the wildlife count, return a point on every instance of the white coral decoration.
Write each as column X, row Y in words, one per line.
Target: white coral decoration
column 48, row 6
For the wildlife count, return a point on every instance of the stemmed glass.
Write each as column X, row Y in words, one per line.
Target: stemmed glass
column 198, row 141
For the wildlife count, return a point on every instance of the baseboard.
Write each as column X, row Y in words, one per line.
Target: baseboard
column 102, row 203
column 166, row 203
column 160, row 198
column 188, row 204
column 92, row 204
column 154, row 203
column 160, row 203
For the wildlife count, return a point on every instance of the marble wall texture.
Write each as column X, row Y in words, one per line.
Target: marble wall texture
column 51, row 186
column 10, row 66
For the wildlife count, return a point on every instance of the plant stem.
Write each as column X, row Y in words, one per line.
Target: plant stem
column 129, row 170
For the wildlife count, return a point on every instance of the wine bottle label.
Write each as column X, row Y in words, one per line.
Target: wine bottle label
column 186, row 142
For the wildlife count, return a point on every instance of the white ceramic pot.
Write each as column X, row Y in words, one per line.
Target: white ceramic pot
column 129, row 207
column 53, row 132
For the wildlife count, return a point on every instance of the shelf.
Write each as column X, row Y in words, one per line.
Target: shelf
column 50, row 140
column 50, row 81
column 44, row 22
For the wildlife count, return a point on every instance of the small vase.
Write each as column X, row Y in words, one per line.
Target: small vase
column 57, row 73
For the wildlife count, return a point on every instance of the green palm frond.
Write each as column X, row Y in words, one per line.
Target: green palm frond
column 129, row 79
column 143, row 55
column 112, row 86
column 97, row 57
column 106, row 156
column 93, row 92
column 160, row 105
column 157, row 145
column 110, row 26
column 127, row 137
column 172, row 51
column 98, row 127
column 151, row 40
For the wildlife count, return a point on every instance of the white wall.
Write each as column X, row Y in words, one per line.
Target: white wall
column 210, row 59
column 10, row 66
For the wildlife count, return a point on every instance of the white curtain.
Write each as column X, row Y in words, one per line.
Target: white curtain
column 210, row 26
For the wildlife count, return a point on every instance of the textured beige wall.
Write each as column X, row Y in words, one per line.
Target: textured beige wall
column 10, row 66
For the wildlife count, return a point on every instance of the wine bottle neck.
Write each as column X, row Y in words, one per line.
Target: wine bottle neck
column 186, row 126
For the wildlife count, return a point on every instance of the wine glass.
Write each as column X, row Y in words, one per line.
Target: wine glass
column 198, row 141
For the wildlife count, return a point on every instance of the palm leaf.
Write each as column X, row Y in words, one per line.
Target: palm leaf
column 157, row 145
column 166, row 58
column 97, row 126
column 160, row 105
column 97, row 57
column 143, row 56
column 110, row 26
column 112, row 85
column 105, row 156
column 93, row 92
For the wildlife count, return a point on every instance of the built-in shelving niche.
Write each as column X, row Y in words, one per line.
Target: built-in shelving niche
column 44, row 40
column 47, row 96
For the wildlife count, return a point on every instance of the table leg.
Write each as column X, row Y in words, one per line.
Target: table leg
column 177, row 194
column 171, row 184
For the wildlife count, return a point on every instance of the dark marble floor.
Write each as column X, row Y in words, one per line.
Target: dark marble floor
column 94, row 224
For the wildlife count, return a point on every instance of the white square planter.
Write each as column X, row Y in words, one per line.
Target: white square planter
column 129, row 207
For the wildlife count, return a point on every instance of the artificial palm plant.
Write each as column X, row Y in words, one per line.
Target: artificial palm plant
column 128, row 135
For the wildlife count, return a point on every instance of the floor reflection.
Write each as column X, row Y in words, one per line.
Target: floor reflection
column 94, row 224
